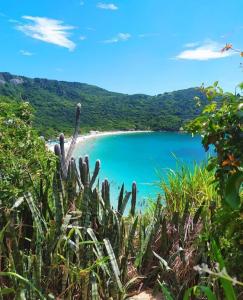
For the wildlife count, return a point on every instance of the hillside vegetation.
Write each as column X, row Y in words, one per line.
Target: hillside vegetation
column 54, row 102
column 61, row 237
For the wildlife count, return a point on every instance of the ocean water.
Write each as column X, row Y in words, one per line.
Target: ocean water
column 141, row 157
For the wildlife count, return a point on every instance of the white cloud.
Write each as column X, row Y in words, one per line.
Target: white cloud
column 204, row 51
column 82, row 37
column 48, row 30
column 121, row 37
column 25, row 53
column 81, row 3
column 108, row 6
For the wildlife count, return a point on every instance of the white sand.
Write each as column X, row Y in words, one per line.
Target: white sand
column 94, row 135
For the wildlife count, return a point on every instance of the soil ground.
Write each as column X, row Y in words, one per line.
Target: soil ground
column 147, row 295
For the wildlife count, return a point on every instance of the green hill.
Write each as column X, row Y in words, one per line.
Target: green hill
column 54, row 103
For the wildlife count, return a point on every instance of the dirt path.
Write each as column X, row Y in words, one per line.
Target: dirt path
column 147, row 295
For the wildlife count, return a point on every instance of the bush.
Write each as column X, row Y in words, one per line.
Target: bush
column 23, row 155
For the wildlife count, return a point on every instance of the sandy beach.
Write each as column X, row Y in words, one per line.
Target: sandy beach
column 94, row 135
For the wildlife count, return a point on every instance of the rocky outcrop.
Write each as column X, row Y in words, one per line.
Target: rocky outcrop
column 16, row 81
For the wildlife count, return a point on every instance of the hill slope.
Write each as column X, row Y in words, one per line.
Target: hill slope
column 54, row 102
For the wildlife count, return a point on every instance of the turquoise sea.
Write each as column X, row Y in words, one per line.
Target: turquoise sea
column 140, row 157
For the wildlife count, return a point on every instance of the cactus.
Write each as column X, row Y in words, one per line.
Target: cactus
column 134, row 199
column 120, row 198
column 75, row 135
column 95, row 173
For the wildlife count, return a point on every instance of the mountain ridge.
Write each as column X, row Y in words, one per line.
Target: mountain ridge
column 54, row 102
column 14, row 76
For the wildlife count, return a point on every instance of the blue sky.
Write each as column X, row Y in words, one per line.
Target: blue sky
column 130, row 46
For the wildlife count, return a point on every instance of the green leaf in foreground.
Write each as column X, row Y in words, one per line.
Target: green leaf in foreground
column 226, row 284
column 197, row 289
column 24, row 280
column 113, row 263
column 165, row 291
column 233, row 185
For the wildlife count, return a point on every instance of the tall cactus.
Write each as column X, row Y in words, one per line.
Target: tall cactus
column 134, row 199
column 66, row 159
column 98, row 219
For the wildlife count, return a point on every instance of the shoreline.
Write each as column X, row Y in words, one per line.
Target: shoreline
column 94, row 135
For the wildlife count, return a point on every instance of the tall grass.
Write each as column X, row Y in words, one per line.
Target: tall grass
column 186, row 185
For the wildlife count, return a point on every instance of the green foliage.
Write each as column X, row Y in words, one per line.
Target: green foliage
column 166, row 292
column 226, row 284
column 228, row 232
column 183, row 186
column 54, row 102
column 216, row 272
column 198, row 291
column 61, row 238
column 220, row 125
column 173, row 232
column 23, row 159
column 72, row 240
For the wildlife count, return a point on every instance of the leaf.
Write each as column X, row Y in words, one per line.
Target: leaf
column 18, row 202
column 194, row 290
column 233, row 185
column 226, row 284
column 132, row 281
column 165, row 291
column 6, row 291
column 99, row 252
column 163, row 262
column 131, row 235
column 113, row 263
column 210, row 108
column 124, row 202
column 35, row 214
column 94, row 288
column 198, row 214
column 144, row 246
column 24, row 280
column 2, row 233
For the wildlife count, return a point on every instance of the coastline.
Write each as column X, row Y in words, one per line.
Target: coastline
column 94, row 135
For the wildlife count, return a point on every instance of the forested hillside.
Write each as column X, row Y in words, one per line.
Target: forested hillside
column 54, row 102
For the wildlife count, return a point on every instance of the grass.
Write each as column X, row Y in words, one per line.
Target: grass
column 188, row 185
